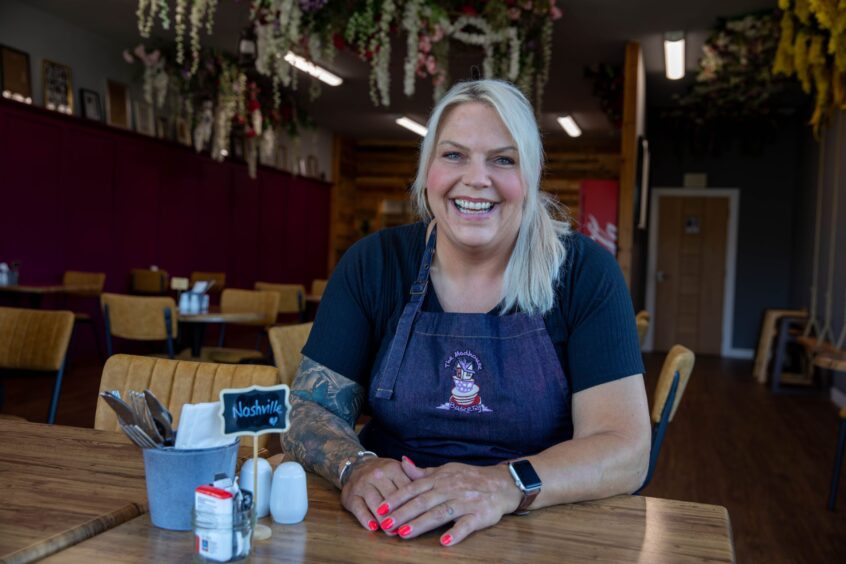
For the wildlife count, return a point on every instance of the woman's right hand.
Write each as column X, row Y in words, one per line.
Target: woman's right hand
column 370, row 481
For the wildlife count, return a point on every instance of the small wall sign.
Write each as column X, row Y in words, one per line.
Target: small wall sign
column 255, row 410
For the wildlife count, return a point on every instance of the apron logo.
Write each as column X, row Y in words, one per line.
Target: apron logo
column 464, row 395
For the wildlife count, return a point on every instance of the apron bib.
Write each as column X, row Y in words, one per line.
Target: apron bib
column 469, row 387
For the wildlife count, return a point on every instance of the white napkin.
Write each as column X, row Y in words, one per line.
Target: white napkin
column 200, row 426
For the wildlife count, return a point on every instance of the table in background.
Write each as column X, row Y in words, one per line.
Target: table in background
column 63, row 484
column 619, row 529
column 36, row 293
column 199, row 321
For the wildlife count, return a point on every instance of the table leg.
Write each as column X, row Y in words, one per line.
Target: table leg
column 197, row 335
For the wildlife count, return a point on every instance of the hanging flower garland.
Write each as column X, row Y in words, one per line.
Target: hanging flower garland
column 201, row 16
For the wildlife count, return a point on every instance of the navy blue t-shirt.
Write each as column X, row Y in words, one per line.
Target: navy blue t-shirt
column 592, row 324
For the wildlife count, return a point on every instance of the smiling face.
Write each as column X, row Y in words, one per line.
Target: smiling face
column 474, row 186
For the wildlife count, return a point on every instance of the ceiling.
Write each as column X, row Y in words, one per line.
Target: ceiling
column 590, row 32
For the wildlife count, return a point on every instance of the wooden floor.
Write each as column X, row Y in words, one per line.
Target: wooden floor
column 766, row 458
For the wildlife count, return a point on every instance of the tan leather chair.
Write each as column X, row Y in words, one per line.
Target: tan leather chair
column 139, row 318
column 175, row 383
column 85, row 285
column 672, row 382
column 36, row 340
column 287, row 342
column 149, row 282
column 318, row 286
column 291, row 297
column 219, row 279
column 244, row 301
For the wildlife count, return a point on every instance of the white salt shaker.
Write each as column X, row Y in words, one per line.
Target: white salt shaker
column 261, row 501
column 289, row 494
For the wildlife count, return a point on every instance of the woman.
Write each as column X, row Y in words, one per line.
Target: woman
column 487, row 333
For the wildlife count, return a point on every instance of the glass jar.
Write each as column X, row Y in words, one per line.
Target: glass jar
column 222, row 538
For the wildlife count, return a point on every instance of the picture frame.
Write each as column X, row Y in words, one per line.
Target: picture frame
column 15, row 77
column 57, row 86
column 312, row 167
column 183, row 131
column 90, row 105
column 145, row 121
column 118, row 112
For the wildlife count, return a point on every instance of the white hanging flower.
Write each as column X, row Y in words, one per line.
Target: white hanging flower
column 411, row 24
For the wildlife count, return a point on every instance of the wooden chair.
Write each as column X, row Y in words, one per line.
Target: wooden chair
column 287, row 342
column 175, row 383
column 139, row 318
column 672, row 383
column 219, row 279
column 36, row 340
column 244, row 301
column 838, row 462
column 318, row 286
column 642, row 320
column 148, row 282
column 291, row 298
column 88, row 285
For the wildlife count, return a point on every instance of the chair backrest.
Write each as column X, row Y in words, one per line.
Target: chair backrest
column 141, row 318
column 218, row 277
column 251, row 301
column 680, row 359
column 643, row 314
column 291, row 296
column 287, row 342
column 33, row 339
column 146, row 281
column 89, row 283
column 318, row 286
column 175, row 383
column 642, row 329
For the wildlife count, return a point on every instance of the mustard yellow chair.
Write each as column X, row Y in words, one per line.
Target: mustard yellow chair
column 85, row 285
column 219, row 279
column 672, row 382
column 244, row 301
column 36, row 340
column 148, row 282
column 175, row 383
column 318, row 286
column 139, row 318
column 287, row 342
column 642, row 319
column 291, row 297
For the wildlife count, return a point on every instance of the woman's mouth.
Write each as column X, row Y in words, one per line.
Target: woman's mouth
column 468, row 207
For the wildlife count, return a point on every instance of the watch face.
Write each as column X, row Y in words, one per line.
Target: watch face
column 527, row 474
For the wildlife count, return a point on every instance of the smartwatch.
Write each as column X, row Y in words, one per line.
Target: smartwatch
column 527, row 480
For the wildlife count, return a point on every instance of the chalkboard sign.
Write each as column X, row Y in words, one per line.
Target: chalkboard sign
column 255, row 410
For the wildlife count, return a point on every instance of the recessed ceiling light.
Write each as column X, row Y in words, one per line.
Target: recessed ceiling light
column 314, row 70
column 570, row 126
column 412, row 125
column 674, row 55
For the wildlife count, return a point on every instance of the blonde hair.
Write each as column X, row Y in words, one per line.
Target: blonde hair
column 535, row 263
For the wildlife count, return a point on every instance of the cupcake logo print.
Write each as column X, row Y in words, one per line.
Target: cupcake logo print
column 464, row 367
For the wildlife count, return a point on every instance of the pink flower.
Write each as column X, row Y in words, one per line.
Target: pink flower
column 127, row 56
column 425, row 44
column 555, row 12
column 140, row 53
column 527, row 5
column 514, row 13
column 439, row 34
column 431, row 64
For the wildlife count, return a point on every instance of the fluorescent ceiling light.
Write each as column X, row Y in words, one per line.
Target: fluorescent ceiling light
column 674, row 55
column 316, row 71
column 570, row 126
column 412, row 125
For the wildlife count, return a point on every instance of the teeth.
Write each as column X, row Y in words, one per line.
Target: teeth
column 464, row 205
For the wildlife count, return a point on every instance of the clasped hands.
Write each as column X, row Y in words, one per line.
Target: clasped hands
column 402, row 499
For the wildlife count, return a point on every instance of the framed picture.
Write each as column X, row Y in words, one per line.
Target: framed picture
column 15, row 80
column 312, row 168
column 183, row 131
column 145, row 121
column 117, row 104
column 57, row 86
column 91, row 106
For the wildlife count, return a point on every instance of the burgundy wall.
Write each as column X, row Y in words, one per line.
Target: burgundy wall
column 80, row 195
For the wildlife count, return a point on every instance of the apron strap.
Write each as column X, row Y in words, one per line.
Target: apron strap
column 388, row 376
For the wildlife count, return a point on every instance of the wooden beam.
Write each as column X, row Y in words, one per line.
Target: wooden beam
column 628, row 169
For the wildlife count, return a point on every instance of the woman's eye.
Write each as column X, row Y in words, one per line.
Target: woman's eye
column 452, row 155
column 504, row 161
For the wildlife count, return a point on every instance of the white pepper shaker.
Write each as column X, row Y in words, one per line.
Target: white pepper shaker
column 261, row 500
column 289, row 494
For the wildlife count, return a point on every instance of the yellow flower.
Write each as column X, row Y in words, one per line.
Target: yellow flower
column 800, row 61
column 784, row 54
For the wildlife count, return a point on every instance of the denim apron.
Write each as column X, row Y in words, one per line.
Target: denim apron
column 469, row 387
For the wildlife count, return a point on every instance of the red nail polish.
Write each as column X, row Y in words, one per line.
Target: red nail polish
column 373, row 525
column 404, row 531
column 387, row 524
column 383, row 509
column 407, row 459
column 446, row 539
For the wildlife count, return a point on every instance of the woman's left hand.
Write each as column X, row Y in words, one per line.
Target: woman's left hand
column 472, row 496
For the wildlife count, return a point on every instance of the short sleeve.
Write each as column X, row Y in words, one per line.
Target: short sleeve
column 602, row 342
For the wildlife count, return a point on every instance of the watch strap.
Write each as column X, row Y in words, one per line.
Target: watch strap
column 529, row 495
column 345, row 466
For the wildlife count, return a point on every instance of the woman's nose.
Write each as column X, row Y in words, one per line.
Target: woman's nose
column 476, row 174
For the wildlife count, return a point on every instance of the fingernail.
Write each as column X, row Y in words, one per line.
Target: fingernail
column 404, row 531
column 446, row 539
column 383, row 509
column 373, row 525
column 407, row 459
column 387, row 524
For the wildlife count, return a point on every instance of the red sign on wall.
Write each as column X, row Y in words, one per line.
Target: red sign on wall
column 598, row 201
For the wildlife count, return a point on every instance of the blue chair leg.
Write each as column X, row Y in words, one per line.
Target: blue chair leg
column 108, row 325
column 838, row 463
column 57, row 389
column 169, row 332
column 660, row 430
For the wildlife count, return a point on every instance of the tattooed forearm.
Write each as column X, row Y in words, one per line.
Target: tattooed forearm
column 324, row 407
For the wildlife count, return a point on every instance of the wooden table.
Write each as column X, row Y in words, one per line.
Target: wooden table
column 198, row 322
column 60, row 485
column 620, row 529
column 36, row 293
